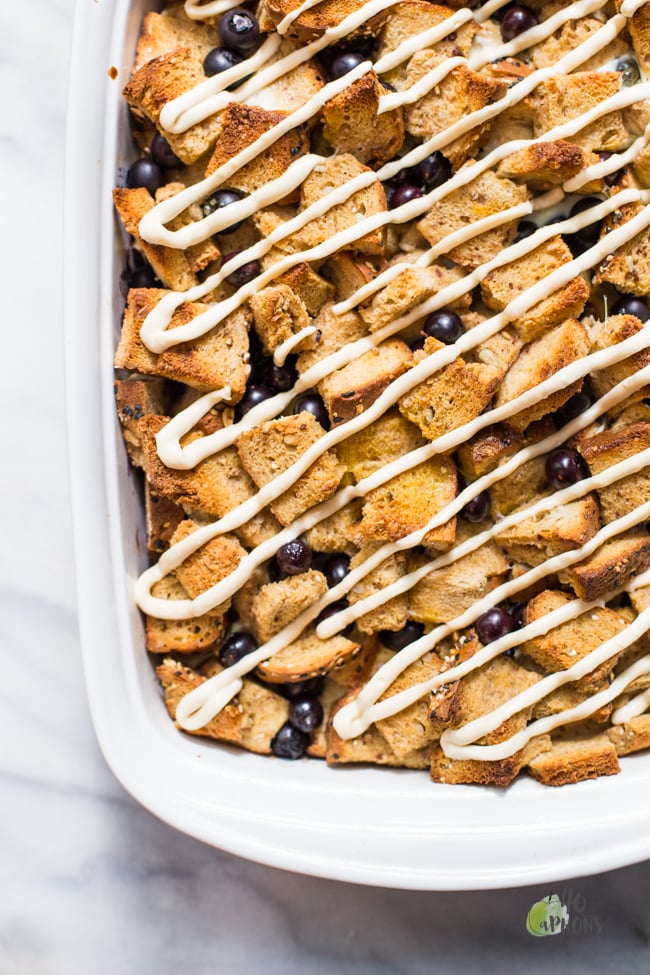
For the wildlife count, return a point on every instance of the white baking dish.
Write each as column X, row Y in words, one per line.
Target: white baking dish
column 375, row 826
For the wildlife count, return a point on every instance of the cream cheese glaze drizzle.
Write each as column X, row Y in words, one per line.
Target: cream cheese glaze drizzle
column 197, row 708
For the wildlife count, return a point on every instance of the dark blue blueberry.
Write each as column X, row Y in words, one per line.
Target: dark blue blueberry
column 477, row 509
column 404, row 194
column 331, row 610
column 293, row 557
column 336, row 568
column 312, row 403
column 629, row 71
column 446, row 326
column 517, row 613
column 493, row 624
column 290, row 742
column 345, row 62
column 137, row 273
column 282, row 377
column 629, row 305
column 239, row 30
column 237, row 646
column 516, row 20
column 163, row 154
column 583, row 239
column 434, row 170
column 565, row 467
column 398, row 639
column 407, row 175
column 573, row 407
column 244, row 274
column 525, row 229
column 614, row 177
column 147, row 173
column 305, row 713
column 144, row 277
column 312, row 686
column 220, row 59
column 252, row 397
column 223, row 198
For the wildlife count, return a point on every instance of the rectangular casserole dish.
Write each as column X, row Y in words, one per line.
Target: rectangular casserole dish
column 367, row 825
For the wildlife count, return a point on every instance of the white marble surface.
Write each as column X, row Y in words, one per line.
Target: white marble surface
column 91, row 882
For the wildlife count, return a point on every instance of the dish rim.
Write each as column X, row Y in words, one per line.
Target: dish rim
column 459, row 846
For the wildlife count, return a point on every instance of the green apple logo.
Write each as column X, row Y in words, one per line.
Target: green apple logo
column 548, row 916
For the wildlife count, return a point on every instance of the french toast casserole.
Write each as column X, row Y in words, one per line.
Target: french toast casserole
column 385, row 365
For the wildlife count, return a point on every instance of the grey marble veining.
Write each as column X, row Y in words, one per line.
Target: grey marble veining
column 92, row 883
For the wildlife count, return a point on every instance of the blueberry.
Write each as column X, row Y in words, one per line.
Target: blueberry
column 220, row 59
column 398, row 639
column 614, row 177
column 404, row 194
column 290, row 742
column 477, row 509
column 223, row 198
column 259, row 362
column 282, row 377
column 147, row 173
column 336, row 568
column 137, row 273
column 252, row 397
column 144, row 277
column 493, row 624
column 312, row 686
column 237, row 646
column 573, row 407
column 312, row 403
column 238, row 29
column 305, row 713
column 407, row 175
column 629, row 71
column 345, row 62
column 244, row 274
column 517, row 20
column 163, row 154
column 629, row 305
column 583, row 239
column 525, row 229
column 446, row 326
column 293, row 557
column 434, row 170
column 565, row 467
column 331, row 610
column 517, row 613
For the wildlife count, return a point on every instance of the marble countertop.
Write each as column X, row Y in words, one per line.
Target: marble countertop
column 92, row 882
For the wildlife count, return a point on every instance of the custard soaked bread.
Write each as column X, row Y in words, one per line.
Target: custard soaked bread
column 384, row 364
